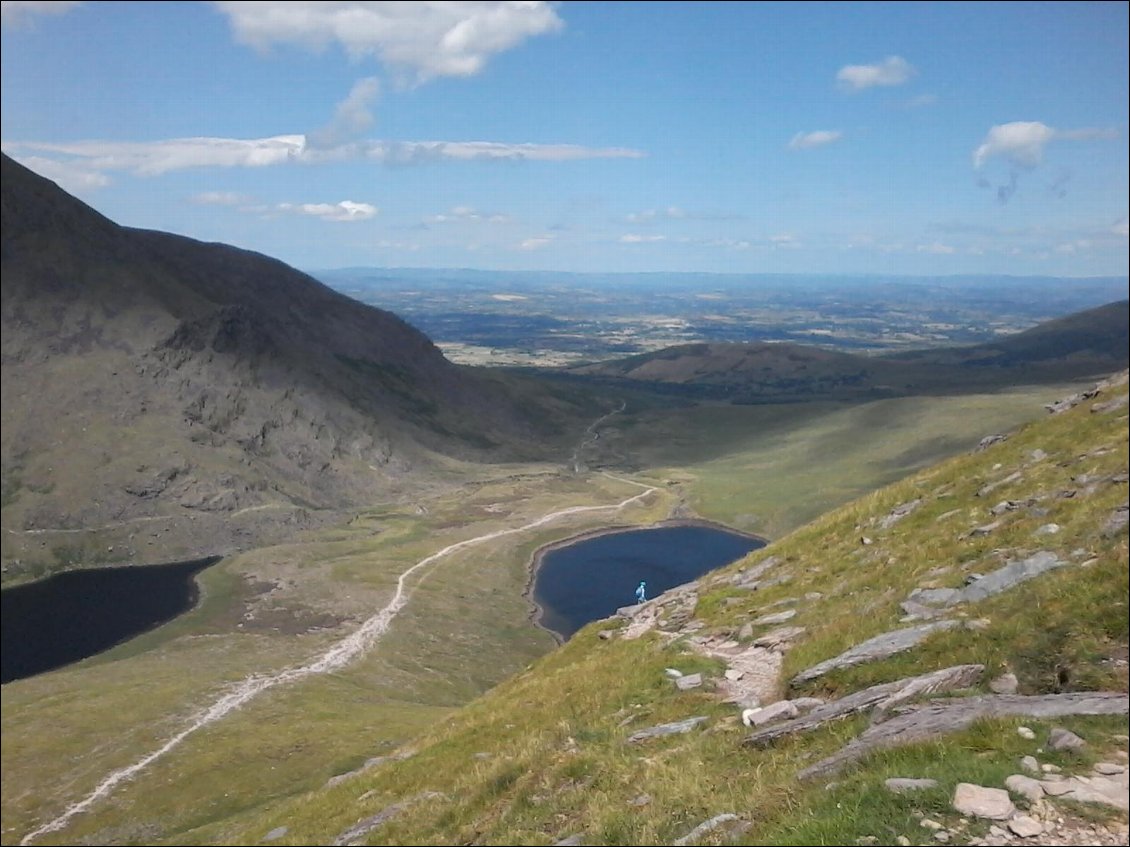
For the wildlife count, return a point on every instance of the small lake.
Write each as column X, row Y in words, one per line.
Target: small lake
column 74, row 615
column 589, row 579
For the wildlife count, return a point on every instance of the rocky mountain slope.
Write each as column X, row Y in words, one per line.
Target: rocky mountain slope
column 944, row 660
column 165, row 398
column 1087, row 344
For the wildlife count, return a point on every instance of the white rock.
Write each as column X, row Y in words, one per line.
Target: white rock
column 1004, row 684
column 780, row 710
column 982, row 802
column 686, row 683
column 1030, row 764
column 1025, row 826
column 1109, row 768
column 1026, row 787
column 1025, row 732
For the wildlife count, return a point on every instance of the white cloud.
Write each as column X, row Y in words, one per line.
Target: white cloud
column 150, row 158
column 785, row 241
column 723, row 243
column 413, row 152
column 459, row 214
column 894, row 70
column 1022, row 142
column 422, row 39
column 936, row 248
column 73, row 177
column 669, row 213
column 1122, row 228
column 352, row 116
column 633, row 238
column 153, row 158
column 17, row 13
column 818, row 138
column 536, row 243
column 346, row 210
column 1070, row 248
column 221, row 198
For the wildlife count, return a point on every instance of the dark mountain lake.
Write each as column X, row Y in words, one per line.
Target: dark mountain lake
column 589, row 579
column 70, row 616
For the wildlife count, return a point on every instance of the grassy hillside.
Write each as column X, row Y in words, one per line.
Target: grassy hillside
column 464, row 630
column 547, row 755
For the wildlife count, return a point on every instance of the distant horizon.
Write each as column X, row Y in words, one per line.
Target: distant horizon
column 823, row 274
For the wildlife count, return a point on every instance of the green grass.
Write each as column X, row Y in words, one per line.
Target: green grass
column 559, row 763
column 554, row 723
column 771, row 469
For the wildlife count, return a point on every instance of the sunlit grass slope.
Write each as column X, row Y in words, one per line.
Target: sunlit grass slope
column 545, row 755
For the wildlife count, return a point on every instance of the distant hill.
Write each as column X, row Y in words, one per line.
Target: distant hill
column 191, row 398
column 1091, row 338
column 1083, row 345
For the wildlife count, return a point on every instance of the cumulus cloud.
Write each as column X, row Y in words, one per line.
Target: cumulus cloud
column 18, row 13
column 894, row 70
column 421, row 40
column 345, row 211
column 785, row 241
column 818, row 138
column 152, row 158
column 1022, row 142
column 460, row 214
column 634, row 238
column 352, row 117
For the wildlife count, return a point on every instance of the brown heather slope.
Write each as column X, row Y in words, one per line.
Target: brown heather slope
column 192, row 398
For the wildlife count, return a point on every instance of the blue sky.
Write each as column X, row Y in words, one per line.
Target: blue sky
column 886, row 138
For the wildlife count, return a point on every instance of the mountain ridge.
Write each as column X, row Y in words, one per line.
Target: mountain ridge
column 204, row 381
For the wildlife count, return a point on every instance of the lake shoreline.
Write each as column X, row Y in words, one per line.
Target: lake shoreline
column 68, row 627
column 535, row 561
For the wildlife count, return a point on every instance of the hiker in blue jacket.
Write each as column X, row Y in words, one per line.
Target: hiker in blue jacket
column 641, row 592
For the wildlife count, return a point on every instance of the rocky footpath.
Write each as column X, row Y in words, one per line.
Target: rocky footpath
column 1038, row 804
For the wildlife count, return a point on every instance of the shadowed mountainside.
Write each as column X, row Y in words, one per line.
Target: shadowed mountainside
column 162, row 385
column 1084, row 345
